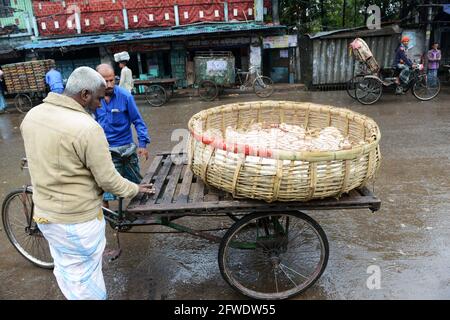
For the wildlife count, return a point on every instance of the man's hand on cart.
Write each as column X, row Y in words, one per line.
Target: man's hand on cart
column 147, row 188
column 142, row 152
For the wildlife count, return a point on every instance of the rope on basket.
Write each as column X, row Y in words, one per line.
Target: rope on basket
column 277, row 180
column 205, row 164
column 347, row 164
column 313, row 179
column 239, row 164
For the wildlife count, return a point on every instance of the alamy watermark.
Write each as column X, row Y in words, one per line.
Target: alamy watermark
column 374, row 280
column 374, row 20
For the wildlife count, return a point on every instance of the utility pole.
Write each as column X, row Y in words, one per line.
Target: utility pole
column 343, row 13
column 429, row 22
column 322, row 15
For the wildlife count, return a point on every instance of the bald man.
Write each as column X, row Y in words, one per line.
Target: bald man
column 117, row 112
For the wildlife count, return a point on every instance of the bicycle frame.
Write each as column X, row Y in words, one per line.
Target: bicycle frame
column 250, row 76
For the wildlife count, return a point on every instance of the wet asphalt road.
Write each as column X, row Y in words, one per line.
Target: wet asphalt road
column 407, row 241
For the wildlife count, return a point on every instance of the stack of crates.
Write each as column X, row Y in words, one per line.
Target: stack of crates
column 27, row 77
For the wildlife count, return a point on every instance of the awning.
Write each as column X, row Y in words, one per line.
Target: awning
column 193, row 30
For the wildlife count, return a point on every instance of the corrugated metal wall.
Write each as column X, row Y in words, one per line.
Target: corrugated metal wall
column 332, row 63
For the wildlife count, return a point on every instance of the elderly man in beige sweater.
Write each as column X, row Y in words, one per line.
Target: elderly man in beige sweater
column 70, row 168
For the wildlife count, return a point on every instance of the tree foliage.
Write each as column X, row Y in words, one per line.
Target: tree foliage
column 318, row 15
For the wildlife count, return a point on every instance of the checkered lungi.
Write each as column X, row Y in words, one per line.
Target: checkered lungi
column 77, row 251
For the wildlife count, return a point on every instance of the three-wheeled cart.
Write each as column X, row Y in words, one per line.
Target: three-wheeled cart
column 266, row 250
column 26, row 80
column 269, row 250
column 157, row 91
column 215, row 71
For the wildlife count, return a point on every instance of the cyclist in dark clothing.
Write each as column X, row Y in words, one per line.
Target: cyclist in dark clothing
column 403, row 63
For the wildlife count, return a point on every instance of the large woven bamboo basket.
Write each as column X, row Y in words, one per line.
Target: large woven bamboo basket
column 280, row 175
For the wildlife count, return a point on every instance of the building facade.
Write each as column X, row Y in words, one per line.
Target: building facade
column 15, row 15
column 162, row 36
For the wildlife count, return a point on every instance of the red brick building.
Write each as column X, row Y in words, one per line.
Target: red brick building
column 69, row 17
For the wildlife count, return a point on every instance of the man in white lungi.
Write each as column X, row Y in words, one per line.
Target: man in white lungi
column 70, row 167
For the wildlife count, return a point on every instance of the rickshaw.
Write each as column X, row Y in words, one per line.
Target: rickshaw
column 367, row 85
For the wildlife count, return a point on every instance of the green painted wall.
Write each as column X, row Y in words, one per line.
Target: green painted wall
column 22, row 7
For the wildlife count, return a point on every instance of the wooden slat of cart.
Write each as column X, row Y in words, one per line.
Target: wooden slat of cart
column 186, row 183
column 212, row 195
column 172, row 184
column 198, row 191
column 160, row 179
column 178, row 203
column 154, row 166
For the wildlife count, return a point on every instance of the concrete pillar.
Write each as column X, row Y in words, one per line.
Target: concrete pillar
column 428, row 32
column 26, row 17
column 177, row 16
column 255, row 56
column 225, row 10
column 139, row 63
column 78, row 22
column 259, row 10
column 35, row 26
column 125, row 18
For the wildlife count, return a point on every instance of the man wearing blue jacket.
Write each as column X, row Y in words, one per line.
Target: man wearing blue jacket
column 116, row 115
column 54, row 80
column 403, row 63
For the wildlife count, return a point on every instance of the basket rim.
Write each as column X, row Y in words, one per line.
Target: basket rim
column 279, row 154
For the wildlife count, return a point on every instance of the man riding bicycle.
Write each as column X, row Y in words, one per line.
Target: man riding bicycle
column 403, row 64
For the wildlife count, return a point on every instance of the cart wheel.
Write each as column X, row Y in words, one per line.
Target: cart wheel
column 426, row 89
column 263, row 87
column 156, row 95
column 369, row 91
column 273, row 255
column 24, row 234
column 207, row 90
column 352, row 84
column 23, row 103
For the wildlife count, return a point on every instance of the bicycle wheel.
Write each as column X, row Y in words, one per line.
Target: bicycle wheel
column 273, row 255
column 155, row 95
column 23, row 103
column 22, row 231
column 207, row 90
column 263, row 87
column 425, row 89
column 369, row 91
column 352, row 84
